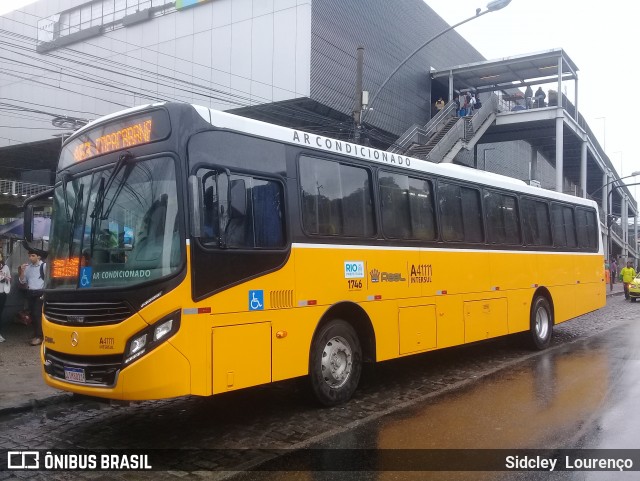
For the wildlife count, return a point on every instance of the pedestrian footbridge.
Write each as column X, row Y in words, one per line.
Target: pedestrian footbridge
column 554, row 129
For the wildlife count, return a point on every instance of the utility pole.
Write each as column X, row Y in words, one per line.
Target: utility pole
column 357, row 112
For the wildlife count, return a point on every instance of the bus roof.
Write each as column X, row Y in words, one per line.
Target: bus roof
column 317, row 142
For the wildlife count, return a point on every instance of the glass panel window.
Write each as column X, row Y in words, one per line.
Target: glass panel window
column 241, row 212
column 336, row 198
column 536, row 223
column 407, row 207
column 502, row 218
column 564, row 230
column 120, row 8
column 116, row 228
column 586, row 225
column 460, row 213
column 74, row 21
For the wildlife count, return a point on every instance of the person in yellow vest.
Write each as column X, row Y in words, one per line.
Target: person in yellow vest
column 627, row 274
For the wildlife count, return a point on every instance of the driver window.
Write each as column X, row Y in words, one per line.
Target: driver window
column 241, row 212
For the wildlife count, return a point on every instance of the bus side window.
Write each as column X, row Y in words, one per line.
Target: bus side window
column 564, row 229
column 536, row 224
column 241, row 211
column 460, row 213
column 267, row 212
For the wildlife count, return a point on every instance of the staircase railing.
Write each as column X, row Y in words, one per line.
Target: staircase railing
column 455, row 133
column 421, row 135
column 482, row 114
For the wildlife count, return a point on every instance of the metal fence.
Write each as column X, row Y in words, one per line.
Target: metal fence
column 20, row 189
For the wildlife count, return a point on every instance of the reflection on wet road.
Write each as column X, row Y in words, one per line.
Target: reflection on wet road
column 580, row 395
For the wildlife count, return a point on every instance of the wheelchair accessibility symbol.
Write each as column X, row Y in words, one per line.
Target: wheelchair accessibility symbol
column 256, row 300
column 85, row 277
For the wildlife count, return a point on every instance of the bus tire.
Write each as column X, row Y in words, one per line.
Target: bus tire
column 335, row 363
column 541, row 325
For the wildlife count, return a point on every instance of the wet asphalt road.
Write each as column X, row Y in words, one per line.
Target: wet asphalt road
column 581, row 393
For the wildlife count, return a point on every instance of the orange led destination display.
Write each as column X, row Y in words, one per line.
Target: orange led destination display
column 116, row 135
column 124, row 138
column 65, row 267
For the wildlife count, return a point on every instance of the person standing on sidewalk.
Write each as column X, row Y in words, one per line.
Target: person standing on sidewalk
column 627, row 274
column 32, row 274
column 5, row 287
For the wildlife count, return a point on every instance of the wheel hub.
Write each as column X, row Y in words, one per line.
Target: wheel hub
column 337, row 362
column 542, row 323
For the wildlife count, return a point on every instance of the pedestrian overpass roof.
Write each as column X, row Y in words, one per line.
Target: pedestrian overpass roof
column 510, row 72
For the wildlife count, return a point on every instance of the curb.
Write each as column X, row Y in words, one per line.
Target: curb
column 33, row 404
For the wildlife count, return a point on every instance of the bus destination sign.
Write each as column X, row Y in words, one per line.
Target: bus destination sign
column 136, row 134
column 116, row 135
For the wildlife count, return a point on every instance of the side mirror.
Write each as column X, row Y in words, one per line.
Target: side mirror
column 42, row 199
column 28, row 223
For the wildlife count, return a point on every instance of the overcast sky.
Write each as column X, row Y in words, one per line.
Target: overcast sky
column 596, row 35
column 9, row 5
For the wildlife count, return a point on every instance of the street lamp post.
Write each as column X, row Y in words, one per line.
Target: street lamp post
column 491, row 7
column 610, row 217
column 633, row 174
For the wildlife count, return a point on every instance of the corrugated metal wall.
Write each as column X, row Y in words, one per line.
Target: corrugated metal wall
column 389, row 30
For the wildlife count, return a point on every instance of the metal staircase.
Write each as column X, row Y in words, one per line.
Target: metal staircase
column 445, row 134
column 421, row 151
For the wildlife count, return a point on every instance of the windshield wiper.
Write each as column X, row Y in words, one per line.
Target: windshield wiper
column 95, row 214
column 125, row 176
column 98, row 206
column 72, row 220
column 65, row 180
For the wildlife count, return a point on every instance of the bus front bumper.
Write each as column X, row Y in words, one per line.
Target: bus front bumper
column 162, row 373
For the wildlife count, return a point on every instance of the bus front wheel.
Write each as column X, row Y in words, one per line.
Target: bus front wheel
column 335, row 363
column 541, row 326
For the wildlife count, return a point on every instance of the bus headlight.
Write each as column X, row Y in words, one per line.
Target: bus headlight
column 137, row 344
column 162, row 330
column 151, row 337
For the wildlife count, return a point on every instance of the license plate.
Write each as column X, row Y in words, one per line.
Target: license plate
column 75, row 374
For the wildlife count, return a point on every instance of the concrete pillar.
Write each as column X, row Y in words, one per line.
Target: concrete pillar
column 559, row 134
column 624, row 221
column 533, row 169
column 605, row 196
column 559, row 151
column 450, row 85
column 583, row 169
column 635, row 235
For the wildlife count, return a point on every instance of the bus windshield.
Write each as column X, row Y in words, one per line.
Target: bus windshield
column 116, row 227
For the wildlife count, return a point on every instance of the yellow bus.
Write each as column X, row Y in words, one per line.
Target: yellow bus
column 195, row 252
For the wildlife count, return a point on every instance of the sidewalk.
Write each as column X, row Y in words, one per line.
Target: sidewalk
column 21, row 384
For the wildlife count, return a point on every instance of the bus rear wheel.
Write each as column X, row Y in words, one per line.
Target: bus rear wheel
column 541, row 325
column 335, row 363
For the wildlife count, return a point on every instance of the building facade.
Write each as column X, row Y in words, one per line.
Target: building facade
column 291, row 62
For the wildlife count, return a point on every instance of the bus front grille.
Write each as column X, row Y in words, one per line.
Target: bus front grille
column 86, row 313
column 98, row 370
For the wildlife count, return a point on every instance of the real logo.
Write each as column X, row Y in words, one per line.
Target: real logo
column 375, row 275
